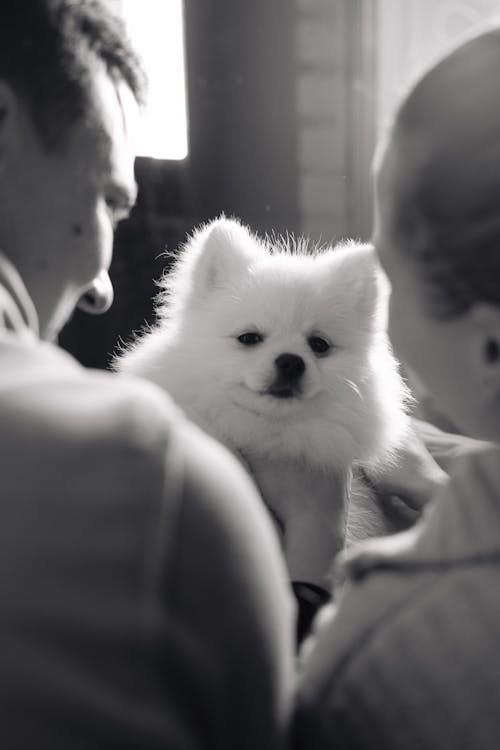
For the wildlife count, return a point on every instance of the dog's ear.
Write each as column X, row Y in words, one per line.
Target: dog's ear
column 225, row 248
column 357, row 274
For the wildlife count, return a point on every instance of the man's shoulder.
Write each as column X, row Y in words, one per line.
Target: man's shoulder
column 48, row 398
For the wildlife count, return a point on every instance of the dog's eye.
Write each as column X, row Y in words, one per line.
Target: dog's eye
column 318, row 345
column 250, row 338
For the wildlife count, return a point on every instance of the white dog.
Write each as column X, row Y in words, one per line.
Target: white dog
column 276, row 349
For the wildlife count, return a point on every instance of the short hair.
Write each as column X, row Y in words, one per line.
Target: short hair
column 446, row 136
column 47, row 49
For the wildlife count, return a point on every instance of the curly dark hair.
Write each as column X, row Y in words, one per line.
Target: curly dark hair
column 47, row 48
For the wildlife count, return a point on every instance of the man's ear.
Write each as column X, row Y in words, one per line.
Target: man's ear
column 10, row 110
column 484, row 346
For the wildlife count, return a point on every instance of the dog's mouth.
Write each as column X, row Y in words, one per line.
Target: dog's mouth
column 273, row 399
column 283, row 391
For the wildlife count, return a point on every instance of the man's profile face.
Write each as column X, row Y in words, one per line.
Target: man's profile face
column 59, row 209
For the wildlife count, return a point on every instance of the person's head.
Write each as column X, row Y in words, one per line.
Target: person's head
column 70, row 91
column 437, row 232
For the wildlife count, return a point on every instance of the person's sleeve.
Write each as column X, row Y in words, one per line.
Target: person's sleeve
column 233, row 595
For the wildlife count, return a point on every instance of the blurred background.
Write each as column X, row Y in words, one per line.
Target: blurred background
column 268, row 110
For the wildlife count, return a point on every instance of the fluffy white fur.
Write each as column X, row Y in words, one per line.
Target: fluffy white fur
column 226, row 282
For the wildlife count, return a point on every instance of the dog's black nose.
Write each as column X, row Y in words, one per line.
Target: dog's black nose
column 290, row 366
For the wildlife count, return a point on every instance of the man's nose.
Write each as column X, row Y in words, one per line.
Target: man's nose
column 98, row 298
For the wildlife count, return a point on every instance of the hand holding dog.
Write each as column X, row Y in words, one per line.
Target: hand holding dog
column 310, row 506
column 423, row 468
column 418, row 471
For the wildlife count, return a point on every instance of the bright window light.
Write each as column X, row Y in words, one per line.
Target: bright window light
column 156, row 28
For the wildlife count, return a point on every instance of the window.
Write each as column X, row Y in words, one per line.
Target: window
column 156, row 28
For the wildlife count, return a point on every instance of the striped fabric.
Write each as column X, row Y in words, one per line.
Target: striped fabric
column 411, row 659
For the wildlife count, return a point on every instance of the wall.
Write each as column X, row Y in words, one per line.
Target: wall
column 411, row 34
column 335, row 117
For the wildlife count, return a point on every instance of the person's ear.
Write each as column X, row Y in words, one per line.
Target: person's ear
column 484, row 319
column 9, row 117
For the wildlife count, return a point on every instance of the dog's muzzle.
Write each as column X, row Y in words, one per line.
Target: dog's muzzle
column 289, row 371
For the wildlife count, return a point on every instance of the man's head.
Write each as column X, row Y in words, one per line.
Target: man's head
column 70, row 87
column 46, row 47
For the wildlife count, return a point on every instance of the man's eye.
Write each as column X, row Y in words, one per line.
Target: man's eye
column 250, row 338
column 319, row 345
column 117, row 209
column 117, row 212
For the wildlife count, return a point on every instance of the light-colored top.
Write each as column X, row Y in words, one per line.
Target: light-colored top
column 143, row 598
column 412, row 658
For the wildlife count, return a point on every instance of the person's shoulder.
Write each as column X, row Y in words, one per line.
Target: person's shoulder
column 225, row 502
column 413, row 613
column 365, row 607
column 121, row 408
column 232, row 581
column 434, row 633
column 398, row 621
column 46, row 396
